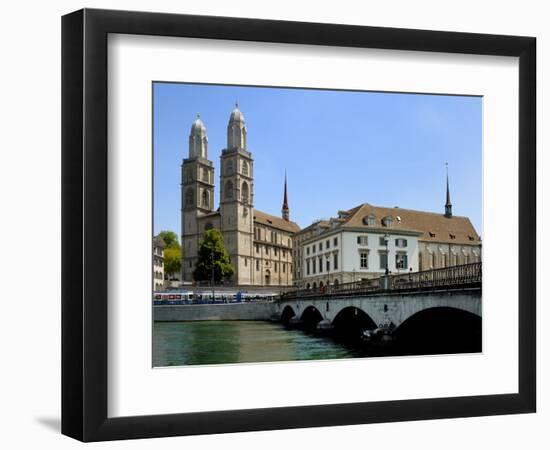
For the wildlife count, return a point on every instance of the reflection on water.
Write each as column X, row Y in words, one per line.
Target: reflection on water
column 222, row 342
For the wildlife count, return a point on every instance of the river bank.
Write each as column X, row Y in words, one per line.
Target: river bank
column 220, row 312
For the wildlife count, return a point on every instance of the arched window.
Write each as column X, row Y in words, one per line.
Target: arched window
column 228, row 189
column 314, row 285
column 205, row 174
column 245, row 168
column 229, row 167
column 189, row 197
column 308, row 287
column 205, row 199
column 244, row 193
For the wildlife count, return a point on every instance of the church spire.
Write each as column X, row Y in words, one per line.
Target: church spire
column 236, row 130
column 448, row 204
column 198, row 140
column 285, row 210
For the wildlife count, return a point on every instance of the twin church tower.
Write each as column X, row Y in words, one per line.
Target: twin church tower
column 259, row 244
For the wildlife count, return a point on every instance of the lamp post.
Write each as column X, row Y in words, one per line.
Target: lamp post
column 387, row 240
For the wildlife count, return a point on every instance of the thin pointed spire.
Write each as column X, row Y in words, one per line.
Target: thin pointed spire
column 448, row 204
column 285, row 210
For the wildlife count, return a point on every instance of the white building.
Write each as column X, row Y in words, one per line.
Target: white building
column 366, row 241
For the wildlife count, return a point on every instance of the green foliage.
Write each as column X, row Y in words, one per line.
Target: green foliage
column 170, row 238
column 172, row 252
column 212, row 251
column 172, row 259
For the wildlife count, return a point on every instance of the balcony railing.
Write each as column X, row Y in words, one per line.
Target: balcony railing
column 466, row 275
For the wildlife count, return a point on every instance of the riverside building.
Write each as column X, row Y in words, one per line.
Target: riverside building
column 368, row 241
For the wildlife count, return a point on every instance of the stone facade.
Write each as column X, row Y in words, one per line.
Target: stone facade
column 259, row 244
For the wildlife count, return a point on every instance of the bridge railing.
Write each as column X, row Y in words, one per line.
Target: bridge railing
column 449, row 277
column 356, row 287
column 464, row 274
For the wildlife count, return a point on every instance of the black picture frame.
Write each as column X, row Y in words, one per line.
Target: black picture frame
column 84, row 224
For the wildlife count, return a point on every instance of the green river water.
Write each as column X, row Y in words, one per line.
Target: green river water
column 224, row 342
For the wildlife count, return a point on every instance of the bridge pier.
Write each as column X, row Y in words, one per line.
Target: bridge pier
column 324, row 325
column 295, row 322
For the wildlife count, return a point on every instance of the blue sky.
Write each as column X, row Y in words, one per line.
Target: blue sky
column 339, row 148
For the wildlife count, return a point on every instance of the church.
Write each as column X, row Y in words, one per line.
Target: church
column 259, row 244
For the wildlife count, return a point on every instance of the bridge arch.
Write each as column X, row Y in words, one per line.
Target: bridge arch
column 467, row 304
column 310, row 317
column 350, row 321
column 440, row 329
column 287, row 314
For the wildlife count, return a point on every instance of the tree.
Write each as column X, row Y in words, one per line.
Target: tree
column 170, row 238
column 172, row 252
column 172, row 259
column 212, row 252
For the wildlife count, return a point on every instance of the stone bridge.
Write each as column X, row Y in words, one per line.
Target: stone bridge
column 379, row 310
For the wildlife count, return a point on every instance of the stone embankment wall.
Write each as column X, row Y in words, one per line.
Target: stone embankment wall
column 229, row 311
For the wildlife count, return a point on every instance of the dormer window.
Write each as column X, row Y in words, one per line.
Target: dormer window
column 387, row 221
column 452, row 236
column 343, row 214
column 369, row 220
column 471, row 238
column 432, row 235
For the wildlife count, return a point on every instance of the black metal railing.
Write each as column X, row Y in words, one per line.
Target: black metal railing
column 465, row 275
